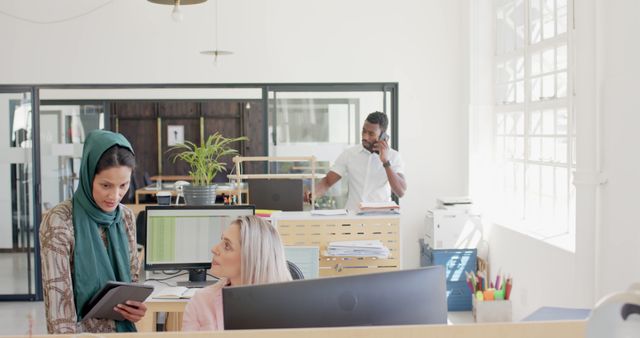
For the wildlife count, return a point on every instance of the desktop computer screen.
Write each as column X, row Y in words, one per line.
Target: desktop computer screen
column 417, row 296
column 181, row 237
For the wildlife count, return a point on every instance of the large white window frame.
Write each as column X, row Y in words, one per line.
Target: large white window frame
column 534, row 124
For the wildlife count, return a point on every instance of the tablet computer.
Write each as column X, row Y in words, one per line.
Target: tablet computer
column 113, row 293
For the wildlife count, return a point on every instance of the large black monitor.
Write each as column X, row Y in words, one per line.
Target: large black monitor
column 181, row 237
column 389, row 298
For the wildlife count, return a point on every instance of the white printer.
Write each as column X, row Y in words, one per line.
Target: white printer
column 453, row 224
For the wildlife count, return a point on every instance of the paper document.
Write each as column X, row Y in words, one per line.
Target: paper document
column 329, row 212
column 173, row 292
column 379, row 205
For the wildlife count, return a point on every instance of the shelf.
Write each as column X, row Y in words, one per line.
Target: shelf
column 272, row 176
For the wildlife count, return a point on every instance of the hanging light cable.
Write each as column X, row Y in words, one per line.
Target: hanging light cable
column 216, row 52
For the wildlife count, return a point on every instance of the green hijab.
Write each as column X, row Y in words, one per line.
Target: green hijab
column 94, row 263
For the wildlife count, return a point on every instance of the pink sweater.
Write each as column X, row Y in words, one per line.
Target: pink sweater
column 204, row 310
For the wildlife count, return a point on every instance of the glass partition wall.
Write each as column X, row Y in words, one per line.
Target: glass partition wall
column 283, row 119
column 18, row 209
column 323, row 121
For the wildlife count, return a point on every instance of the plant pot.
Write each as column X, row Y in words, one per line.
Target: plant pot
column 199, row 194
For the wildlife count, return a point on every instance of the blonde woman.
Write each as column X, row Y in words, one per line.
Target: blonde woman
column 249, row 252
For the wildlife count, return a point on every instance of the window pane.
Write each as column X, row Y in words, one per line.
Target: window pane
column 561, row 150
column 519, row 123
column 535, row 64
column 536, row 89
column 518, row 21
column 501, row 73
column 561, row 121
column 532, row 191
column 519, row 148
column 535, row 149
column 511, row 93
column 546, row 181
column 561, row 12
column 519, row 92
column 562, row 84
column 519, row 68
column 509, row 147
column 561, row 57
column 509, row 124
column 548, row 149
column 548, row 118
column 535, row 25
column 548, row 17
column 536, row 123
column 548, row 60
column 548, row 87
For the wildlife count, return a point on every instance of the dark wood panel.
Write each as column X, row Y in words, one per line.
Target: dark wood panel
column 221, row 109
column 232, row 118
column 135, row 110
column 178, row 109
column 143, row 135
column 191, row 133
column 253, row 126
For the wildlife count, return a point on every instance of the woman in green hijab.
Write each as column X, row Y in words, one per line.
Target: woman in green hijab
column 90, row 239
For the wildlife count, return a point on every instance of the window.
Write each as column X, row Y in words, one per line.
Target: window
column 534, row 125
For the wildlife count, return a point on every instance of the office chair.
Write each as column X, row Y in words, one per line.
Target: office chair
column 141, row 227
column 133, row 186
column 295, row 271
column 146, row 179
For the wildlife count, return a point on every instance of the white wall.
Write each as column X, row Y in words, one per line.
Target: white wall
column 618, row 109
column 606, row 257
column 422, row 44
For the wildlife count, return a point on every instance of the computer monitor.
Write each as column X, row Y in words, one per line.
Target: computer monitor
column 276, row 194
column 181, row 237
column 416, row 296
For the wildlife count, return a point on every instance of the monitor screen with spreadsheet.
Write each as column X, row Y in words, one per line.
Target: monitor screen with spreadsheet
column 181, row 237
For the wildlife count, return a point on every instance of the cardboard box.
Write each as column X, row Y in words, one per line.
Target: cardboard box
column 491, row 311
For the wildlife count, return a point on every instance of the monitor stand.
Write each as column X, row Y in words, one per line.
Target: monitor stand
column 197, row 279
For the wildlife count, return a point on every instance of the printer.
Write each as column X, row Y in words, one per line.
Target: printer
column 453, row 224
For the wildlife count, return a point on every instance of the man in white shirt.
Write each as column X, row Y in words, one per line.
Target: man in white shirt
column 374, row 170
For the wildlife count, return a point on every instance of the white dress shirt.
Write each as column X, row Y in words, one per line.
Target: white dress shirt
column 366, row 176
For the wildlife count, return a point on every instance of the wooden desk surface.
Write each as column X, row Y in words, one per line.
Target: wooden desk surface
column 565, row 329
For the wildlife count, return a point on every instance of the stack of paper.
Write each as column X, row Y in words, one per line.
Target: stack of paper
column 378, row 207
column 329, row 212
column 370, row 248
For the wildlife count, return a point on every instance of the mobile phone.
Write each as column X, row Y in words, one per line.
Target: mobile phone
column 383, row 137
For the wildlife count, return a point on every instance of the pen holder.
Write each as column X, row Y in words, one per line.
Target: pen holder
column 164, row 198
column 491, row 311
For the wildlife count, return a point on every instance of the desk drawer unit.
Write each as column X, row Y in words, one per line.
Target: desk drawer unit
column 319, row 232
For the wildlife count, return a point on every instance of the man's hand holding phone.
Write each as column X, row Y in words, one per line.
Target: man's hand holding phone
column 381, row 146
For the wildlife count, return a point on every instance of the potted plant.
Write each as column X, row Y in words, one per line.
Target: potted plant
column 205, row 163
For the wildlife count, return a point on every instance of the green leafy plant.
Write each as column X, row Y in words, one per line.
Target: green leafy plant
column 205, row 159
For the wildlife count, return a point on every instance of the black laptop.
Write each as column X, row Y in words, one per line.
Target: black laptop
column 276, row 194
